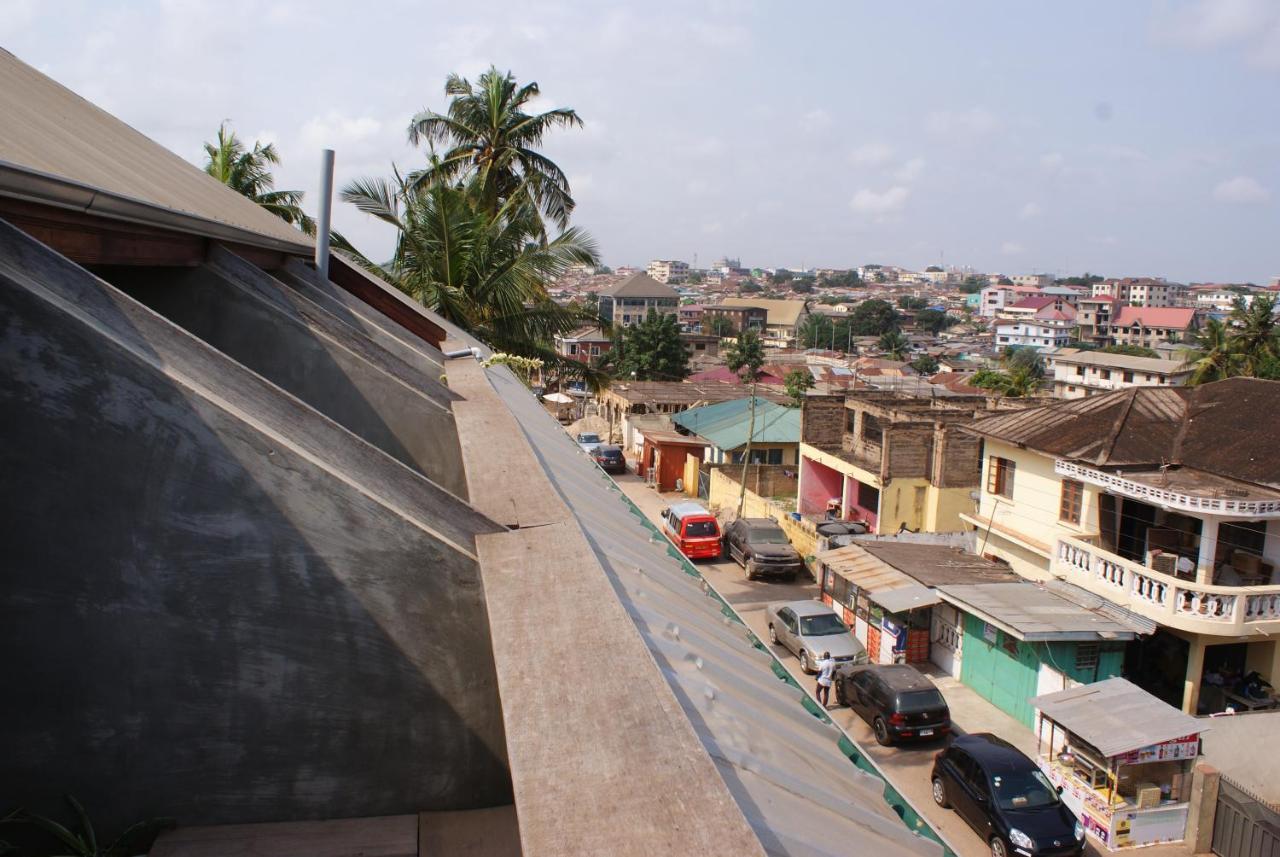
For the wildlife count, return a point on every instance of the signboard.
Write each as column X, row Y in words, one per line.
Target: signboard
column 1186, row 747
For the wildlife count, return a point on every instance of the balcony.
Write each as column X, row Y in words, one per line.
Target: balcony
column 1229, row 611
column 1196, row 504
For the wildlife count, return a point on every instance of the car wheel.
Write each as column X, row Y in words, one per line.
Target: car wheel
column 882, row 732
column 998, row 848
column 752, row 572
column 940, row 793
column 840, row 700
column 804, row 662
column 773, row 636
column 791, row 578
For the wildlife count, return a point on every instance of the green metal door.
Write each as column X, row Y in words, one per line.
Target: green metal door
column 1002, row 672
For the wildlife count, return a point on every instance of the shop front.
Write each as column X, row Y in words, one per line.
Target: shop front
column 1121, row 759
column 888, row 611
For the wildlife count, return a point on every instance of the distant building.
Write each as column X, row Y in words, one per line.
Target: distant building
column 584, row 344
column 1035, row 281
column 1093, row 318
column 628, row 302
column 743, row 316
column 1149, row 326
column 669, row 270
column 1219, row 298
column 1033, row 332
column 1077, row 374
column 784, row 318
column 995, row 298
column 1137, row 291
column 775, row 431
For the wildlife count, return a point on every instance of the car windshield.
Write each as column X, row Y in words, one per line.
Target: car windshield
column 920, row 700
column 588, row 438
column 766, row 536
column 699, row 529
column 1023, row 789
column 821, row 626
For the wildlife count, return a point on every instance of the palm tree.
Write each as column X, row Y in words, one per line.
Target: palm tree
column 492, row 140
column 246, row 171
column 1254, row 337
column 894, row 345
column 479, row 270
column 1211, row 357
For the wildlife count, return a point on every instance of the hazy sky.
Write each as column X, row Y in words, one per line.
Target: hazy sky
column 1121, row 137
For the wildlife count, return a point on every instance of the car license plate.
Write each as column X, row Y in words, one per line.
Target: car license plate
column 925, row 733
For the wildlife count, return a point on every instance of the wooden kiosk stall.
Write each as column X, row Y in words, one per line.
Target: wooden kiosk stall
column 1122, row 760
column 887, row 609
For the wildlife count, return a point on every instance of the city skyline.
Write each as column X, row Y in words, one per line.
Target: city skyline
column 1121, row 140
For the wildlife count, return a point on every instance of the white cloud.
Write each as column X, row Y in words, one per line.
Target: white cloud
column 871, row 155
column 1029, row 211
column 867, row 201
column 974, row 122
column 1052, row 160
column 1241, row 190
column 816, row 120
column 333, row 130
column 1250, row 26
column 1012, row 248
column 910, row 171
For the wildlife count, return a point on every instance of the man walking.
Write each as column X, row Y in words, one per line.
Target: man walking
column 826, row 669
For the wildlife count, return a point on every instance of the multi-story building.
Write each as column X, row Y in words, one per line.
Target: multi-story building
column 1138, row 291
column 1036, row 281
column 1054, row 330
column 669, row 270
column 584, row 344
column 1149, row 327
column 741, row 316
column 1219, row 298
column 628, row 302
column 889, row 459
column 1077, row 374
column 1038, row 306
column 1163, row 501
column 1093, row 318
column 690, row 317
column 784, row 318
column 996, row 297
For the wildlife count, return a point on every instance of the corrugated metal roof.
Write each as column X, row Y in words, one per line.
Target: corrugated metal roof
column 780, row 312
column 779, row 761
column 107, row 168
column 1117, row 716
column 906, row 598
column 640, row 285
column 1034, row 613
column 725, row 424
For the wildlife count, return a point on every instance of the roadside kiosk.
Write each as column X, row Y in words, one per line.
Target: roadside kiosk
column 1122, row 760
column 887, row 610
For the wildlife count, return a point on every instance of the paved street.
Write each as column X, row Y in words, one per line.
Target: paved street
column 907, row 767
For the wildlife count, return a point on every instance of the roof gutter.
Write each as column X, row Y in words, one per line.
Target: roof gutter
column 19, row 182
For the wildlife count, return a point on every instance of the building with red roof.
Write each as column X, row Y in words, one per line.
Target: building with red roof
column 1149, row 326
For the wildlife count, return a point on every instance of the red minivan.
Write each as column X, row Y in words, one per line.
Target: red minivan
column 694, row 530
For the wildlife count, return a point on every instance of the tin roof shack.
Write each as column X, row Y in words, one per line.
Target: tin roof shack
column 625, row 399
column 1122, row 759
column 892, row 460
column 663, row 456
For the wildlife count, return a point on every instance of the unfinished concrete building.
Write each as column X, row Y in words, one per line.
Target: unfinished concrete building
column 277, row 568
column 891, row 460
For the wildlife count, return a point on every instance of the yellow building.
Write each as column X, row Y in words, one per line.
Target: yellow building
column 1164, row 502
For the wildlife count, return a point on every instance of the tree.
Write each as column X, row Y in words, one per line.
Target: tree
column 1130, row 350
column 779, row 277
column 1021, row 377
column 494, row 143
column 842, row 280
column 802, row 286
column 695, row 278
column 745, row 358
column 797, row 382
column 651, row 350
column 1211, row 357
column 815, row 331
column 748, row 287
column 722, row 325
column 909, row 302
column 1254, row 332
column 973, row 284
column 894, row 345
column 934, row 321
column 1004, row 281
column 925, row 364
column 247, row 172
column 1248, row 345
column 872, row 318
column 1086, row 280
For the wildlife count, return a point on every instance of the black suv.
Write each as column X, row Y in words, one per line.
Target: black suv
column 1005, row 798
column 610, row 459
column 896, row 700
column 762, row 548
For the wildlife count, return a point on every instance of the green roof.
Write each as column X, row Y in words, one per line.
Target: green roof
column 725, row 423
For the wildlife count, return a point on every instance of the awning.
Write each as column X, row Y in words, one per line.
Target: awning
column 1031, row 612
column 906, row 598
column 558, row 398
column 1116, row 716
column 885, row 585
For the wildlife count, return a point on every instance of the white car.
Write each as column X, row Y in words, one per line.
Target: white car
column 809, row 628
column 589, row 442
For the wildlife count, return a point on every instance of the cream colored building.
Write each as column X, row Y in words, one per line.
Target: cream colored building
column 668, row 270
column 1077, row 374
column 1171, row 517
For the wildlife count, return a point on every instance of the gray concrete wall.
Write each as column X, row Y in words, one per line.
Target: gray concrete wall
column 215, row 604
column 335, row 371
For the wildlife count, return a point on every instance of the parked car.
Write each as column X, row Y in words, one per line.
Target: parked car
column 761, row 547
column 610, row 459
column 589, row 441
column 896, row 700
column 809, row 628
column 695, row 531
column 1006, row 798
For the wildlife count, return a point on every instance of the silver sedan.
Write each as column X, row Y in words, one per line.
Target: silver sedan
column 809, row 628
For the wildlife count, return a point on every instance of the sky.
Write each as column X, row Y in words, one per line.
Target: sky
column 1135, row 138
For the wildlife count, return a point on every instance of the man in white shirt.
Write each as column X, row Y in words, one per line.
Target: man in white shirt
column 826, row 670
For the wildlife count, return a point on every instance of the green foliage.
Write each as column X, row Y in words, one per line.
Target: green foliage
column 695, row 278
column 722, row 325
column 802, row 286
column 973, row 285
column 846, row 280
column 749, row 287
column 651, row 350
column 745, row 357
column 934, row 321
column 492, row 143
column 1004, row 281
column 1249, row 347
column 1086, row 279
column 246, row 171
column 925, row 364
column 1021, row 376
column 872, row 318
column 909, row 302
column 779, row 277
column 894, row 345
column 81, row 840
column 1130, row 350
column 797, row 382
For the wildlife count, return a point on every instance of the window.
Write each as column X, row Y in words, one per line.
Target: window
column 1070, row 501
column 871, row 431
column 1104, row 374
column 595, row 350
column 573, row 348
column 1128, row 377
column 775, row 456
column 1000, row 476
column 1086, row 656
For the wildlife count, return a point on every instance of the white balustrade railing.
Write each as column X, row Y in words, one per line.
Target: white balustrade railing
column 1194, row 503
column 1163, row 597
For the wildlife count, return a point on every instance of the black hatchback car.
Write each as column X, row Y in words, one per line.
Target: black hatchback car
column 896, row 700
column 1006, row 798
column 610, row 459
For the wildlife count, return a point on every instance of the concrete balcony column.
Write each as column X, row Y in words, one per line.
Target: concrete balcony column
column 1208, row 549
column 1195, row 666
